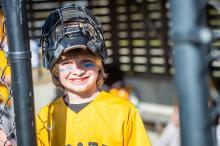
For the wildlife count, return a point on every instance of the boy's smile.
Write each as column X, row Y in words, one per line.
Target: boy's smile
column 79, row 80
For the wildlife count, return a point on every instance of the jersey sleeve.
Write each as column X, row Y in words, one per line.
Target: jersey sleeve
column 135, row 131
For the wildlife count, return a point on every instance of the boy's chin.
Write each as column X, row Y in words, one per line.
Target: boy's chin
column 81, row 90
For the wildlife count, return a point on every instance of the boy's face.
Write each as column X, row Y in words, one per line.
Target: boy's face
column 78, row 73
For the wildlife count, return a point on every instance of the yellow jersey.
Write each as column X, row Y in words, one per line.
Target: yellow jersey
column 5, row 71
column 106, row 121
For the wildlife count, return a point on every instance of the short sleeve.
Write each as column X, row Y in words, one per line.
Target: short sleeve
column 136, row 134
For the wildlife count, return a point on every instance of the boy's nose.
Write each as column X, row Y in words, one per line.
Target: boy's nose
column 78, row 71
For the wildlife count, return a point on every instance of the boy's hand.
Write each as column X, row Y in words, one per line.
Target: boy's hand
column 3, row 139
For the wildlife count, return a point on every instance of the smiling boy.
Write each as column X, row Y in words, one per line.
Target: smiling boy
column 74, row 51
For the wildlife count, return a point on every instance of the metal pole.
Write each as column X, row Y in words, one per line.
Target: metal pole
column 190, row 41
column 20, row 59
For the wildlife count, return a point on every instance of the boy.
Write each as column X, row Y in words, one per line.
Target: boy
column 74, row 51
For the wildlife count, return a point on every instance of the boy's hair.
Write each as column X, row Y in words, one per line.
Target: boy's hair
column 101, row 76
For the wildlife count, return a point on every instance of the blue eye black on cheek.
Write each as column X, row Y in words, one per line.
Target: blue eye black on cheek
column 62, row 70
column 68, row 68
column 89, row 64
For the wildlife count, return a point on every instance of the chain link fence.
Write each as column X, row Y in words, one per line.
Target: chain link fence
column 7, row 123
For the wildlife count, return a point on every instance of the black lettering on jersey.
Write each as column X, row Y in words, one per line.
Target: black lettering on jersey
column 92, row 144
column 80, row 144
column 89, row 144
column 69, row 145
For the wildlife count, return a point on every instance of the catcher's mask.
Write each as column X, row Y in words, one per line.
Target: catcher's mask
column 71, row 27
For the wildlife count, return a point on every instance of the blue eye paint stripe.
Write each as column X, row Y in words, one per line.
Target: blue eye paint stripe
column 69, row 68
column 66, row 69
column 89, row 64
column 85, row 65
column 62, row 69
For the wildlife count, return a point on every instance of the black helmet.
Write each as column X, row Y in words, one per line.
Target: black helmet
column 71, row 27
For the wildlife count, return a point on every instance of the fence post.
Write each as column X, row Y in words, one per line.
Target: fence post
column 20, row 59
column 190, row 38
